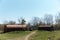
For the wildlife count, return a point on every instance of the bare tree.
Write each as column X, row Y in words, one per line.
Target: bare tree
column 48, row 19
column 35, row 21
column 57, row 19
column 11, row 22
column 21, row 20
column 41, row 21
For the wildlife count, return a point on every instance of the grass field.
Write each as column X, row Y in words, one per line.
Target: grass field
column 57, row 35
column 39, row 35
column 12, row 35
column 44, row 35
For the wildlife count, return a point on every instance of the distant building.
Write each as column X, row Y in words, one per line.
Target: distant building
column 8, row 28
column 45, row 27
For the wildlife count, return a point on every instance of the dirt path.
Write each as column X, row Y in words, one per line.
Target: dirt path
column 29, row 35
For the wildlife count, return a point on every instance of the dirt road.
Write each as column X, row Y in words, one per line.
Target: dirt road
column 29, row 35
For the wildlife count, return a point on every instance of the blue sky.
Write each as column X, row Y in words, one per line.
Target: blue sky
column 14, row 9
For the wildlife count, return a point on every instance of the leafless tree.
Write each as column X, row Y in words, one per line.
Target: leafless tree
column 21, row 20
column 35, row 21
column 48, row 19
column 57, row 19
column 11, row 22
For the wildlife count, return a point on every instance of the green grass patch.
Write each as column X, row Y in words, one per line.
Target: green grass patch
column 15, row 34
column 41, row 35
column 44, row 35
column 57, row 35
